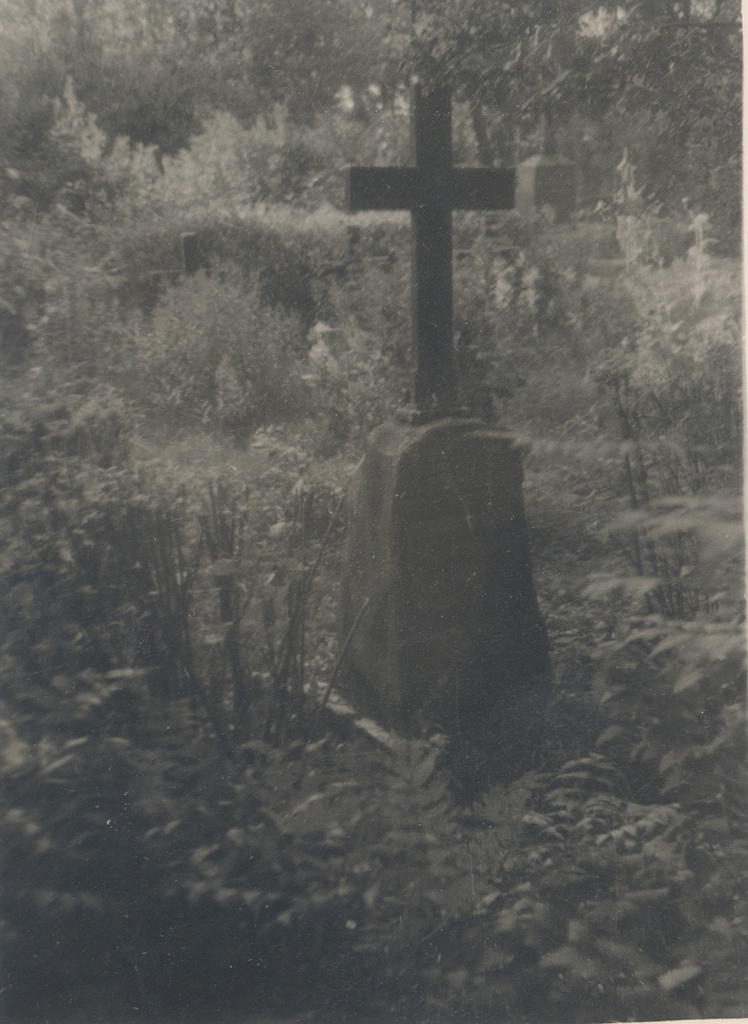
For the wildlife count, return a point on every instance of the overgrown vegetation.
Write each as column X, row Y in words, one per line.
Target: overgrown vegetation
column 186, row 825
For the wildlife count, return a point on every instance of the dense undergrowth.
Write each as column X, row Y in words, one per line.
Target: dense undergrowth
column 183, row 828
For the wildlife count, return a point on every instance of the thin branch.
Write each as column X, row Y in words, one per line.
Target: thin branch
column 338, row 665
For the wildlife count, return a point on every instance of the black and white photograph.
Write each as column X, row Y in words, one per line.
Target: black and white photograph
column 372, row 585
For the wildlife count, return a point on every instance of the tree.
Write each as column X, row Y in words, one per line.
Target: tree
column 303, row 52
column 679, row 62
column 127, row 66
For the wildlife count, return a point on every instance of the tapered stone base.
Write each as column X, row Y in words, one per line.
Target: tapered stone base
column 451, row 639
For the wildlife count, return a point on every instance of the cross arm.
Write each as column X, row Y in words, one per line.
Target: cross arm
column 482, row 188
column 405, row 188
column 382, row 188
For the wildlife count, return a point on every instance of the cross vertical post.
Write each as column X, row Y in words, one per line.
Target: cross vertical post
column 435, row 385
column 431, row 190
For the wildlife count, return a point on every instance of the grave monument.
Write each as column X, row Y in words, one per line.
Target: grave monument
column 438, row 604
column 547, row 180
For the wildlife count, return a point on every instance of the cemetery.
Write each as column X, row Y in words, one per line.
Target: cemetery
column 372, row 581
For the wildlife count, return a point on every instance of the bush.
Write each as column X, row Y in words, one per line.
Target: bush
column 288, row 258
column 143, row 855
column 272, row 162
column 360, row 360
column 602, row 909
column 213, row 352
column 523, row 344
column 108, row 845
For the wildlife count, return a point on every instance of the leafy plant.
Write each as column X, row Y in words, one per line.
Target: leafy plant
column 213, row 352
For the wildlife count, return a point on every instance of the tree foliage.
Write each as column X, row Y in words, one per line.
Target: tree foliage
column 671, row 63
column 156, row 72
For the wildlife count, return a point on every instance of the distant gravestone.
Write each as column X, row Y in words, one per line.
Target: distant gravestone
column 547, row 180
column 438, row 607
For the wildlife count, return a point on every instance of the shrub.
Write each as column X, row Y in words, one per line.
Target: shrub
column 230, row 166
column 36, row 163
column 213, row 352
column 288, row 257
column 96, row 608
column 595, row 913
column 360, row 361
column 142, row 854
column 140, row 872
column 521, row 341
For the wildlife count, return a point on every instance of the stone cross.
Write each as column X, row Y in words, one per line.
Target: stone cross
column 431, row 190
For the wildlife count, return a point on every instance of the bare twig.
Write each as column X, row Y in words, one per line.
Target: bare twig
column 338, row 665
